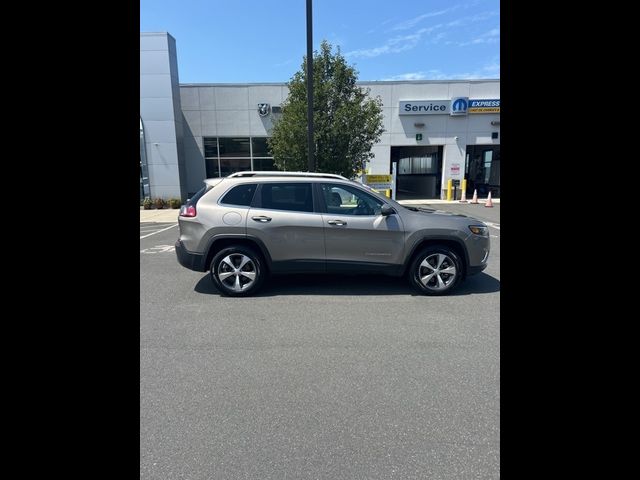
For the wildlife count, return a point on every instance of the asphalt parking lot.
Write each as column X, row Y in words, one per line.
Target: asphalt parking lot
column 317, row 376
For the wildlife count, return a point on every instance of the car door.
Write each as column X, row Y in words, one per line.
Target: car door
column 282, row 216
column 357, row 236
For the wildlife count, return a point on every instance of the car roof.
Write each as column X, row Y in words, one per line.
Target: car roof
column 285, row 174
column 249, row 176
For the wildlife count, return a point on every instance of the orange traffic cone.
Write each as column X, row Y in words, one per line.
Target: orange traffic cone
column 464, row 197
column 475, row 197
column 489, row 203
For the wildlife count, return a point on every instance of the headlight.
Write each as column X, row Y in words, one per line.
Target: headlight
column 479, row 230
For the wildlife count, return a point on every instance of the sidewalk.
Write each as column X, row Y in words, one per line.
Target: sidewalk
column 171, row 215
column 164, row 215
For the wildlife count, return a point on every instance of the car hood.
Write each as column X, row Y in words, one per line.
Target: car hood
column 435, row 217
column 433, row 211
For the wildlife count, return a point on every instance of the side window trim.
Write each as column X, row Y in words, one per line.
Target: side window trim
column 257, row 197
column 319, row 204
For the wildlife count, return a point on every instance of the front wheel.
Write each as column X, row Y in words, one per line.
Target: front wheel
column 237, row 271
column 436, row 270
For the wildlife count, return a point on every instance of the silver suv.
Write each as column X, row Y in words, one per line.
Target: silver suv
column 251, row 224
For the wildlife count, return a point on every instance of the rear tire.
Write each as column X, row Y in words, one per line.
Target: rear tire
column 436, row 270
column 237, row 271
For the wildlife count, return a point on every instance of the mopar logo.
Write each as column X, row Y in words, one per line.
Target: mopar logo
column 459, row 105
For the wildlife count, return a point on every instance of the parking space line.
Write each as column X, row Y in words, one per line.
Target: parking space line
column 150, row 229
column 494, row 225
column 171, row 226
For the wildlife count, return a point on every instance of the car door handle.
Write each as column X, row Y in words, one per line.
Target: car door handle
column 261, row 218
column 337, row 222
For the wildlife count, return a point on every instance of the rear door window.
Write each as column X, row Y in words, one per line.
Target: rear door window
column 295, row 197
column 240, row 195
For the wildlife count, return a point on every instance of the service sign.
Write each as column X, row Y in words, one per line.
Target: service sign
column 378, row 182
column 424, row 107
column 484, row 106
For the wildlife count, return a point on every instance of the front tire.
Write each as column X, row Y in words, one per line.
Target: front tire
column 237, row 271
column 436, row 270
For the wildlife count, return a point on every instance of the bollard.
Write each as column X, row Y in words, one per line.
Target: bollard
column 464, row 191
column 449, row 186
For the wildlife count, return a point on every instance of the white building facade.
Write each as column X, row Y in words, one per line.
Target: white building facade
column 433, row 130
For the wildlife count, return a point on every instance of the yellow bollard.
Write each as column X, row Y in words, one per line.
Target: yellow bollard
column 387, row 193
column 464, row 184
column 449, row 189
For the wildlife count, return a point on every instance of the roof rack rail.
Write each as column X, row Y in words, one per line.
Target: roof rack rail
column 285, row 174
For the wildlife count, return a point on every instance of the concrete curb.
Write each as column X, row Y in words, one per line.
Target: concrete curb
column 170, row 215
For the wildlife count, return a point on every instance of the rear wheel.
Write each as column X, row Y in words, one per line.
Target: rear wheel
column 436, row 270
column 237, row 271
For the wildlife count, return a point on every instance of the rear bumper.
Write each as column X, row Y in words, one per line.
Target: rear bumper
column 474, row 270
column 190, row 260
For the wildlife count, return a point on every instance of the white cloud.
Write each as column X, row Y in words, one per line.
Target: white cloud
column 472, row 19
column 428, row 75
column 407, row 76
column 407, row 42
column 407, row 24
column 393, row 45
column 492, row 36
column 488, row 70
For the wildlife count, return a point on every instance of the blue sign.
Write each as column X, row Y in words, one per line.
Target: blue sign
column 459, row 105
column 484, row 106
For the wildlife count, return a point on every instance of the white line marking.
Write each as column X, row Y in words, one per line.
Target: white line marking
column 145, row 236
column 494, row 225
column 159, row 249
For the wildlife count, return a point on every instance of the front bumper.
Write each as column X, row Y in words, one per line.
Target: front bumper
column 190, row 260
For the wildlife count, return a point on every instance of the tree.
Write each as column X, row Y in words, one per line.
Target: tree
column 346, row 121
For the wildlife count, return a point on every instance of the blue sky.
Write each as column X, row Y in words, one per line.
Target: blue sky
column 264, row 40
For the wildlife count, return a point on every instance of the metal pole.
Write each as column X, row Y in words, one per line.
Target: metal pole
column 394, row 179
column 312, row 166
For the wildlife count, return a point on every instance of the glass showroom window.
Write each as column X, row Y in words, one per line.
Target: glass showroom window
column 224, row 156
column 211, row 162
column 262, row 160
column 235, row 155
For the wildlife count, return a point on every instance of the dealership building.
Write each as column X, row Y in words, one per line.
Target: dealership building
column 433, row 130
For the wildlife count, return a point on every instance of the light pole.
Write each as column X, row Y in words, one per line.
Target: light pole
column 312, row 166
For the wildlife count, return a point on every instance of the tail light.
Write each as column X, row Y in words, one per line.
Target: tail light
column 188, row 211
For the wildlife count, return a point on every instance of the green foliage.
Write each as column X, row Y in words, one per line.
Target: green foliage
column 346, row 121
column 147, row 203
column 175, row 202
column 159, row 203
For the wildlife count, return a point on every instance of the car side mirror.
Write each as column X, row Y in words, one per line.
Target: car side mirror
column 387, row 210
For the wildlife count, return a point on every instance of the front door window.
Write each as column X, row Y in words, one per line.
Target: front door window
column 343, row 200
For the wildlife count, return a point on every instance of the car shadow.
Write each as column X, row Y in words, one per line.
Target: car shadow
column 356, row 285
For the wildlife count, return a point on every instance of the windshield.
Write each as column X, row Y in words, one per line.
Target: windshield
column 392, row 202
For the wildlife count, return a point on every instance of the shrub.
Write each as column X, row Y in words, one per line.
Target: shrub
column 159, row 203
column 147, row 203
column 175, row 202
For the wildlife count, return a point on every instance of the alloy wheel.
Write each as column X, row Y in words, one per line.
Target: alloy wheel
column 237, row 272
column 437, row 271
